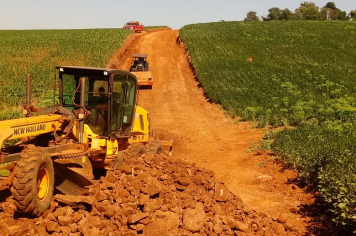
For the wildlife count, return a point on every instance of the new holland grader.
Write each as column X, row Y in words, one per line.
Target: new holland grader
column 95, row 124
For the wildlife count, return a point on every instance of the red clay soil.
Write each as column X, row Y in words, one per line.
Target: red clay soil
column 151, row 195
column 202, row 133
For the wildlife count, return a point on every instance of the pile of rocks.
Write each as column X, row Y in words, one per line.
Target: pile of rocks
column 151, row 195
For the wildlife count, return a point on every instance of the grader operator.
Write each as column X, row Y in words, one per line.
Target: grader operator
column 97, row 124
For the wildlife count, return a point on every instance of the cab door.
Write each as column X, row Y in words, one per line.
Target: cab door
column 123, row 101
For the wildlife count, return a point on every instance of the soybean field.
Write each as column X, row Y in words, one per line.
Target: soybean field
column 300, row 70
column 297, row 74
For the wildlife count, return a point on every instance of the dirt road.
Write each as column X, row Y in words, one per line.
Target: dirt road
column 202, row 133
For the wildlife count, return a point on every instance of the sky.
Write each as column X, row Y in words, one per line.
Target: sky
column 83, row 14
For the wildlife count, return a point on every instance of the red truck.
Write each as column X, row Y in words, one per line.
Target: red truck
column 134, row 25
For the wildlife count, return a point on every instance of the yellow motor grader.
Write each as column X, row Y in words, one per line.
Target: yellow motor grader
column 95, row 124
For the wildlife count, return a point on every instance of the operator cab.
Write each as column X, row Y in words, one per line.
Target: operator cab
column 139, row 62
column 110, row 97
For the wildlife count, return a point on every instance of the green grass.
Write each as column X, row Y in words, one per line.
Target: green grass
column 37, row 52
column 325, row 155
column 155, row 27
column 303, row 75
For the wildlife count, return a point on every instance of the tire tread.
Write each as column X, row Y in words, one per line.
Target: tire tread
column 24, row 188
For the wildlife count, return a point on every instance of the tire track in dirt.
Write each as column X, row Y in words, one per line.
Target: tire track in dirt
column 202, row 133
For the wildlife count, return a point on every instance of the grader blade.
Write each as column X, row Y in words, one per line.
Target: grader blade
column 73, row 175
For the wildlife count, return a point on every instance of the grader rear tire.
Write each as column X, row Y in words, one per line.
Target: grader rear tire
column 33, row 183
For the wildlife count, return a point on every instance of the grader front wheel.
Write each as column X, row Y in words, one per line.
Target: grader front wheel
column 33, row 181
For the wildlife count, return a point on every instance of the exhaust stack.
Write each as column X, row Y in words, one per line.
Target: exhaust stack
column 82, row 104
column 27, row 108
column 28, row 90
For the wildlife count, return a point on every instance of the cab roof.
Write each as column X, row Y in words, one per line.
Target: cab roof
column 136, row 55
column 90, row 71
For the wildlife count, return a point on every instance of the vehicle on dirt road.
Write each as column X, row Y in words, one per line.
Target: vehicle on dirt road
column 96, row 124
column 136, row 26
column 140, row 67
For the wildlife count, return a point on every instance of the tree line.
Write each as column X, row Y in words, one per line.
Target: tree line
column 306, row 11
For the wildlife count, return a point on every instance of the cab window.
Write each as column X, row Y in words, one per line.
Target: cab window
column 118, row 93
column 96, row 100
column 124, row 100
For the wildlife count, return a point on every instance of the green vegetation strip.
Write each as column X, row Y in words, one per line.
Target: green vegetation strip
column 325, row 154
column 303, row 74
column 37, row 52
column 155, row 27
column 4, row 172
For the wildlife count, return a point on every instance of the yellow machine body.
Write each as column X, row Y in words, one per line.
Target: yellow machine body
column 60, row 147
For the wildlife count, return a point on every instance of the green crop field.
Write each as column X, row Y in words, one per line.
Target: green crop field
column 155, row 27
column 301, row 70
column 37, row 52
column 303, row 75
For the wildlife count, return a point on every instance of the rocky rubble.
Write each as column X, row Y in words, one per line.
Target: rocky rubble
column 151, row 195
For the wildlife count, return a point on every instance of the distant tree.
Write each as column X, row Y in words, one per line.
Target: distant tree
column 251, row 16
column 329, row 13
column 274, row 13
column 287, row 14
column 265, row 18
column 308, row 11
column 331, row 5
column 343, row 16
column 278, row 14
column 353, row 14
